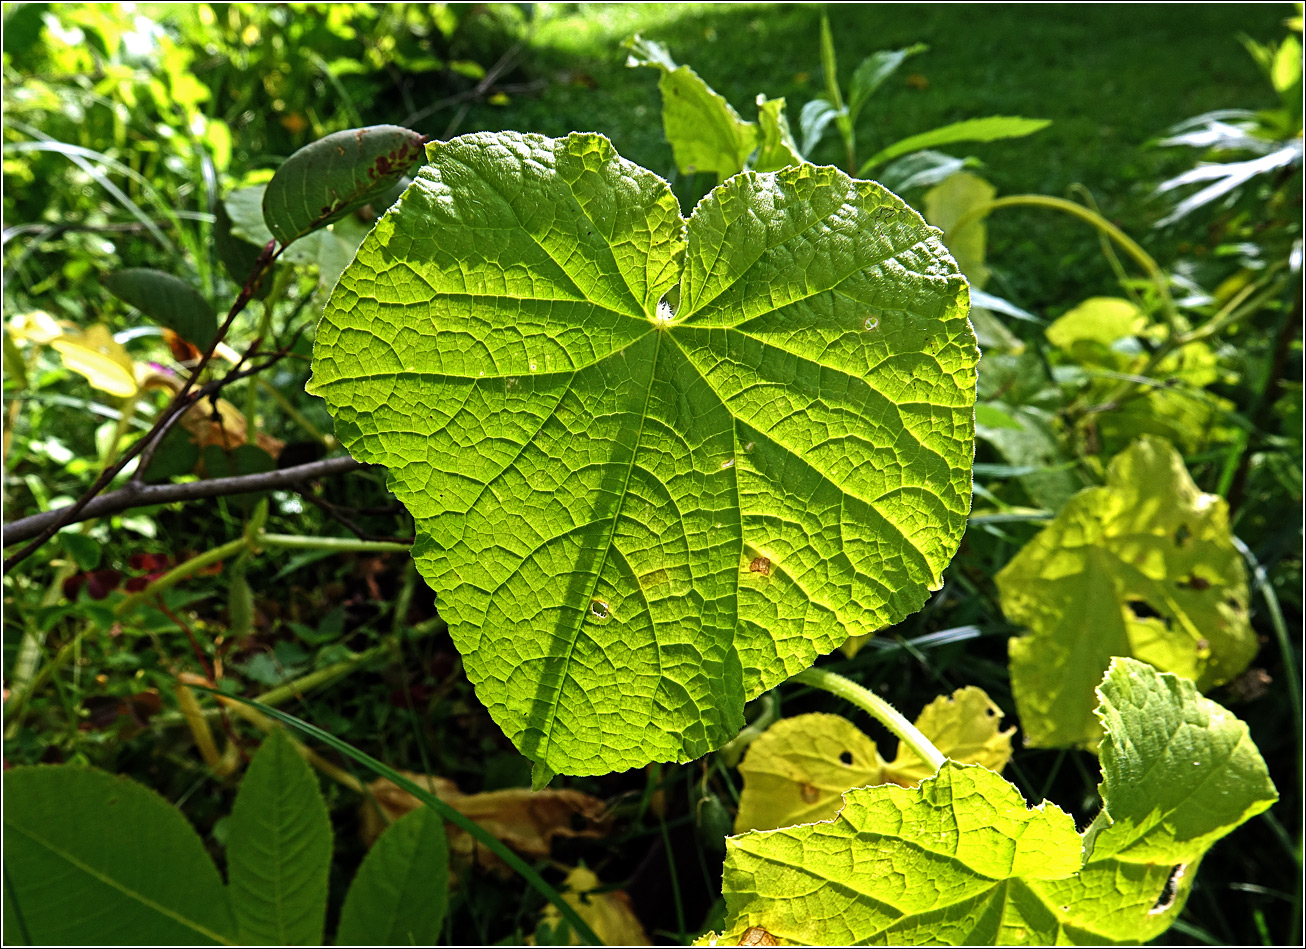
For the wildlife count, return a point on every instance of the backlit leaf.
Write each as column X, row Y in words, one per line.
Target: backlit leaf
column 777, row 148
column 1143, row 566
column 946, row 204
column 705, row 132
column 657, row 466
column 965, row 726
column 961, row 859
column 988, row 129
column 96, row 355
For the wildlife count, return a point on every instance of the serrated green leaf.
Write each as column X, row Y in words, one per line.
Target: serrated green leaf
column 401, row 891
column 1144, row 566
column 961, row 860
column 327, row 179
column 947, row 863
column 777, row 148
column 989, row 129
column 1178, row 773
column 168, row 300
column 638, row 516
column 330, row 249
column 705, row 131
column 93, row 859
column 946, row 204
column 279, row 849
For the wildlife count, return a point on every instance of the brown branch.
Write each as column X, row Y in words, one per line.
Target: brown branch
column 180, row 403
column 139, row 495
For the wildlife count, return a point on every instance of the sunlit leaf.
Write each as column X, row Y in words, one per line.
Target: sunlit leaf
column 950, row 201
column 962, row 860
column 96, row 355
column 777, row 148
column 989, row 129
column 657, row 466
column 168, row 300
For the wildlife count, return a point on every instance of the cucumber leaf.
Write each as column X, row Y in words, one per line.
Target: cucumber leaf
column 656, row 466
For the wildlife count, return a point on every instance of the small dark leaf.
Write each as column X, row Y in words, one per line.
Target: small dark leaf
column 168, row 300
column 238, row 255
column 82, row 549
column 325, row 180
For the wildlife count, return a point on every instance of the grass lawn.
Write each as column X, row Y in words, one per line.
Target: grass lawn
column 1111, row 77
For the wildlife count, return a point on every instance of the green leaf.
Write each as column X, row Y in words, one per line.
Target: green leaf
column 330, row 249
column 401, row 891
column 778, row 148
column 961, row 860
column 279, row 849
column 239, row 256
column 1029, row 441
column 870, row 75
column 84, row 550
column 327, row 179
column 168, row 300
column 1178, row 773
column 1144, row 566
column 989, row 129
column 946, row 204
column 812, row 122
column 639, row 513
column 1099, row 320
column 705, row 132
column 93, row 859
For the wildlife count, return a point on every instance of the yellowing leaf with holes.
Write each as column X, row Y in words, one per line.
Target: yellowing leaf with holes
column 657, row 465
column 1143, row 566
column 966, row 726
column 798, row 770
column 962, row 859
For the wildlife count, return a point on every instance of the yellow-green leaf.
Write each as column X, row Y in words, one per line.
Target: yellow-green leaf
column 1143, row 566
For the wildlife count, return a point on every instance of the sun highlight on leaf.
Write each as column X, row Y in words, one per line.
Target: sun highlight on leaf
column 657, row 466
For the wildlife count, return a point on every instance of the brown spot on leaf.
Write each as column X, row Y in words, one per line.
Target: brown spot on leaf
column 760, row 565
column 811, row 793
column 1194, row 582
column 757, row 936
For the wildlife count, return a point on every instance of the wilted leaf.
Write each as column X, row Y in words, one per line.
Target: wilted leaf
column 96, row 355
column 798, row 770
column 1144, row 566
column 965, row 726
column 525, row 820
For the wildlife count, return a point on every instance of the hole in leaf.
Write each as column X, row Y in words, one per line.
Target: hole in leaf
column 1143, row 610
column 846, row 757
column 991, row 712
column 1169, row 891
column 599, row 609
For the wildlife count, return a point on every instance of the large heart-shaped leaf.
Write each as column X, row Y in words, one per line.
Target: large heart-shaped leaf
column 657, row 466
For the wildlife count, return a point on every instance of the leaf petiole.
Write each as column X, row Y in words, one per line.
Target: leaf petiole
column 877, row 708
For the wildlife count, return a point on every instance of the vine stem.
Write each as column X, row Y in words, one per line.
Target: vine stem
column 877, row 708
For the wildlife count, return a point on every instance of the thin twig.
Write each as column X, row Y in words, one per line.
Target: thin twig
column 145, row 495
column 180, row 402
